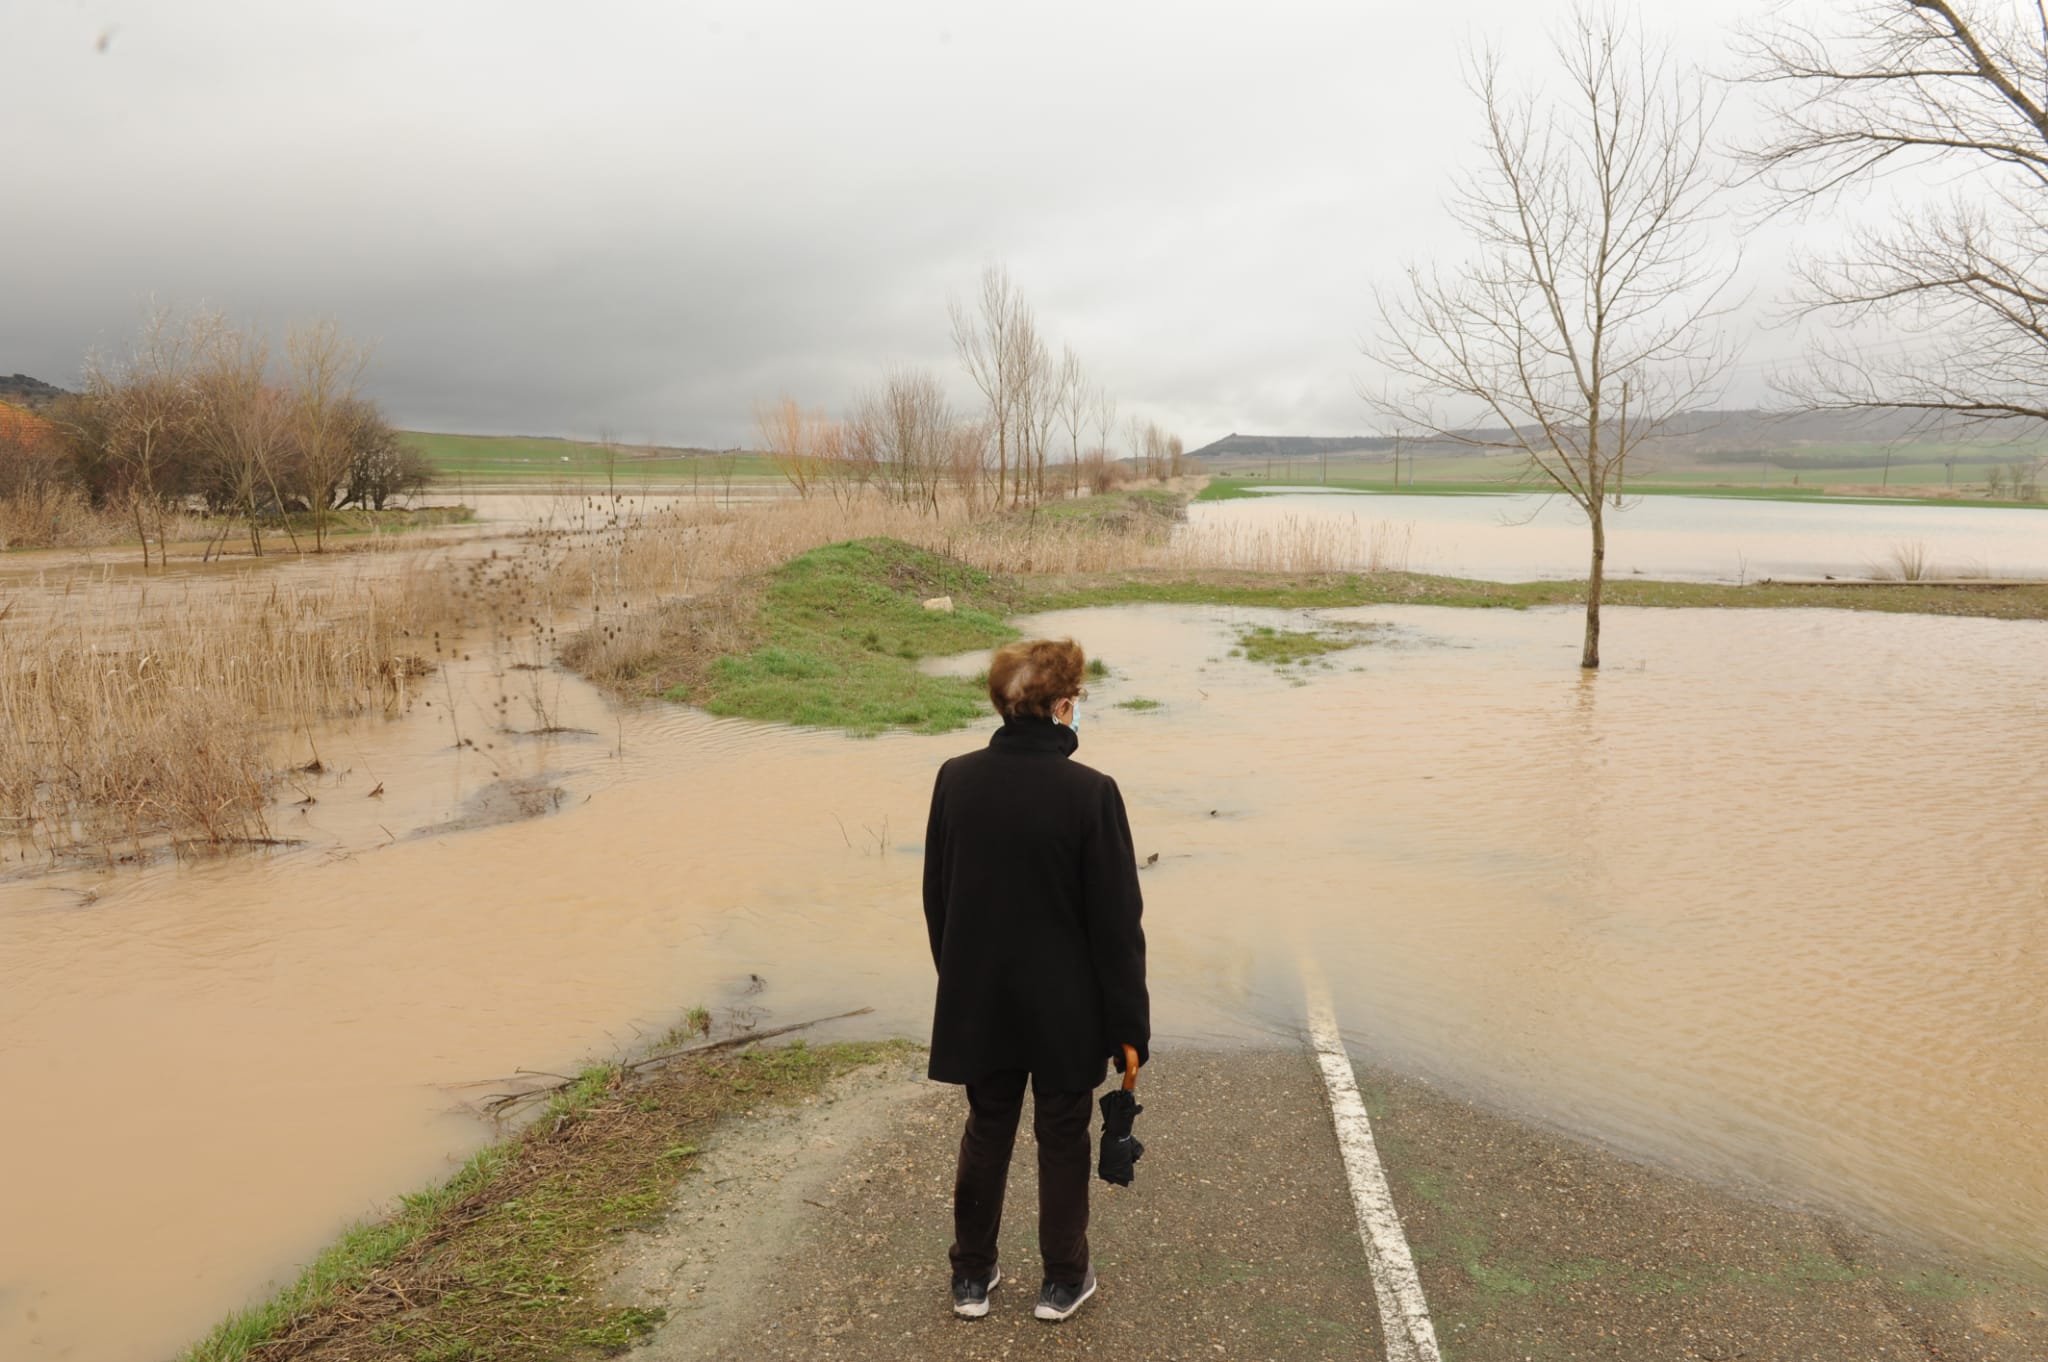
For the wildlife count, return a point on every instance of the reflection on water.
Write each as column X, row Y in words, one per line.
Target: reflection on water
column 1674, row 538
column 1761, row 900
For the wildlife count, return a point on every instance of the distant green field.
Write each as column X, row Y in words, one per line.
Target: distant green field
column 1962, row 467
column 1233, row 488
column 527, row 459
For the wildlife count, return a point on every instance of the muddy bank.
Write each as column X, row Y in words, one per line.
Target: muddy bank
column 514, row 1249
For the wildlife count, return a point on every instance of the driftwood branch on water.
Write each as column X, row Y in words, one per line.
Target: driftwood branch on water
column 500, row 1103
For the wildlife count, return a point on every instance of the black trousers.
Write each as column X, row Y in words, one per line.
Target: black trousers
column 1060, row 1121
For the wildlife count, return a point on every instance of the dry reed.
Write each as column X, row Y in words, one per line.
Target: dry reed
column 51, row 515
column 128, row 714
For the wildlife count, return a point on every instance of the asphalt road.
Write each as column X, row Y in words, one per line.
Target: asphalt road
column 1239, row 1241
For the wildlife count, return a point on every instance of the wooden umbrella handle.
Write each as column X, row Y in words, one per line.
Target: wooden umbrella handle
column 1130, row 1067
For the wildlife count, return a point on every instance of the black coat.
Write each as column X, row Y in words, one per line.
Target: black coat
column 1031, row 897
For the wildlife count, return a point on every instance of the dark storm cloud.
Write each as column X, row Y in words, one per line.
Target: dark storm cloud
column 648, row 216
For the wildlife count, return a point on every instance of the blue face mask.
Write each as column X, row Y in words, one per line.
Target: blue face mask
column 1074, row 717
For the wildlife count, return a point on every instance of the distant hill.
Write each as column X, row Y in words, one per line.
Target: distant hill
column 1234, row 446
column 1704, row 436
column 24, row 391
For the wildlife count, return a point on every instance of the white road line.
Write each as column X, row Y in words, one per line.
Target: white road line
column 1404, row 1315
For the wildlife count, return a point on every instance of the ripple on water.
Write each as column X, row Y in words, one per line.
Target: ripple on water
column 1762, row 900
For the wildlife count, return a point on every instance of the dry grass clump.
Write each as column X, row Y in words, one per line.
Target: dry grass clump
column 51, row 515
column 127, row 715
column 1905, row 561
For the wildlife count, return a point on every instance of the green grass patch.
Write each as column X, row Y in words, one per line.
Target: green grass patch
column 1140, row 704
column 501, row 1260
column 831, row 639
column 841, row 631
column 1291, row 647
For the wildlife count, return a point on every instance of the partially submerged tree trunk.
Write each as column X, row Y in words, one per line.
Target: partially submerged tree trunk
column 1584, row 320
column 1596, row 578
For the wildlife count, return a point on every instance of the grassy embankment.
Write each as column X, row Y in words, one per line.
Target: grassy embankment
column 1503, row 483
column 831, row 638
column 503, row 1259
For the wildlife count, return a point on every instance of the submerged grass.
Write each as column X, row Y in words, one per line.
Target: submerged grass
column 1287, row 647
column 502, row 1260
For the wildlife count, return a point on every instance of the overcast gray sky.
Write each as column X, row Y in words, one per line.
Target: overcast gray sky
column 551, row 218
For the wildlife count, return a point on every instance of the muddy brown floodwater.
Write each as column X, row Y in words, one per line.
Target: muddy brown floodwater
column 1762, row 901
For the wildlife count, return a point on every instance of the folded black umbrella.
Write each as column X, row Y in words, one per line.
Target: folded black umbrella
column 1120, row 1149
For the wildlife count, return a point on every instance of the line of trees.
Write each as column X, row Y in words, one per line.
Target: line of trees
column 906, row 438
column 1029, row 398
column 200, row 411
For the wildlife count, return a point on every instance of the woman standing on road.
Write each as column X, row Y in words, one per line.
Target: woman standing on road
column 1031, row 897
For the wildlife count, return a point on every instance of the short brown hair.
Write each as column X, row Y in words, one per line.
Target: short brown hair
column 1027, row 679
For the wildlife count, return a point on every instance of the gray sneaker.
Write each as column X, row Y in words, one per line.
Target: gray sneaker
column 1058, row 1301
column 970, row 1296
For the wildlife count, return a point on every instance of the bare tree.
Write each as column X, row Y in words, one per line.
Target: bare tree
column 790, row 435
column 1102, row 412
column 1038, row 409
column 1076, row 398
column 1584, row 320
column 383, row 466
column 142, row 417
column 243, row 423
column 846, row 463
column 1134, row 433
column 967, row 462
column 1953, row 92
column 326, row 373
column 997, row 340
column 905, row 427
column 1157, row 452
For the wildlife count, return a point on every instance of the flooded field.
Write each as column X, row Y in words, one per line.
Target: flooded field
column 1761, row 901
column 1673, row 538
